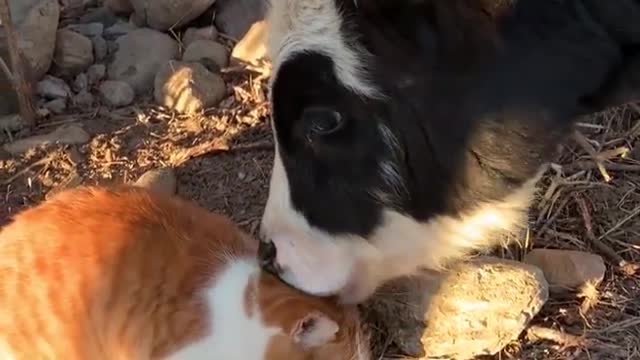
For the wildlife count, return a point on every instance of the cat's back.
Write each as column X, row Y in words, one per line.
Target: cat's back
column 87, row 262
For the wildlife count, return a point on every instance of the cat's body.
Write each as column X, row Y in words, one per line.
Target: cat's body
column 129, row 274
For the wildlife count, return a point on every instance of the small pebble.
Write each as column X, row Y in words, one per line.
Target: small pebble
column 161, row 180
column 100, row 48
column 90, row 29
column 81, row 82
column 96, row 73
column 57, row 106
column 51, row 87
column 116, row 93
column 84, row 100
column 119, row 29
column 567, row 269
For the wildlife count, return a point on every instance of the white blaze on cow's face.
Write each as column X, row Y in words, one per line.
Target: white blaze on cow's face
column 359, row 193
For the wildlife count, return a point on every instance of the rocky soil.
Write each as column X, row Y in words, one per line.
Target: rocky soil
column 170, row 94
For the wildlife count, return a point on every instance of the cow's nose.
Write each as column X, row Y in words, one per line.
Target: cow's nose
column 267, row 256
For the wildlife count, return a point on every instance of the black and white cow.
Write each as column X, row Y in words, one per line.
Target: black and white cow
column 411, row 132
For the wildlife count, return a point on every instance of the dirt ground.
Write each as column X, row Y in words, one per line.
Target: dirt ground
column 223, row 161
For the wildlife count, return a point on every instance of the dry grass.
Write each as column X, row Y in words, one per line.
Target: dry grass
column 589, row 199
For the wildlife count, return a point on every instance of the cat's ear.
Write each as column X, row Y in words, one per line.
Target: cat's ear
column 314, row 329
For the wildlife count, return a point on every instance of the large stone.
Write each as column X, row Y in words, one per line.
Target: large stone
column 188, row 87
column 208, row 53
column 66, row 134
column 73, row 54
column 36, row 23
column 475, row 309
column 21, row 8
column 252, row 47
column 235, row 17
column 137, row 62
column 192, row 34
column 568, row 269
column 119, row 6
column 165, row 14
column 116, row 93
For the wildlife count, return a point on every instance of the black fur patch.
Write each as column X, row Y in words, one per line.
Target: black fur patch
column 479, row 95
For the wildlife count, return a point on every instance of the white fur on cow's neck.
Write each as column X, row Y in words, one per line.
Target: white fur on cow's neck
column 314, row 25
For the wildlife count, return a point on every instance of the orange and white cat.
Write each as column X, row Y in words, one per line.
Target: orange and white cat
column 128, row 274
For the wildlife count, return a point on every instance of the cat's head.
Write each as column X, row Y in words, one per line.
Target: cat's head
column 306, row 327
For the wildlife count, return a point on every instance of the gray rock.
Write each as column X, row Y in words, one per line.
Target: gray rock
column 36, row 23
column 73, row 53
column 81, row 82
column 137, row 63
column 11, row 122
column 566, row 269
column 51, row 87
column 112, row 47
column 77, row 4
column 20, row 9
column 475, row 309
column 192, row 34
column 206, row 51
column 96, row 73
column 165, row 14
column 235, row 17
column 252, row 46
column 57, row 106
column 66, row 134
column 161, row 180
column 100, row 48
column 119, row 6
column 89, row 29
column 83, row 100
column 102, row 15
column 137, row 20
column 116, row 93
column 187, row 87
column 118, row 29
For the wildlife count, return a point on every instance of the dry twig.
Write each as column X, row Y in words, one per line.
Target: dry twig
column 596, row 242
column 28, row 168
column 538, row 333
column 586, row 145
column 214, row 147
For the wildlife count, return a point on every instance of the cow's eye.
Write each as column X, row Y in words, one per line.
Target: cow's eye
column 321, row 121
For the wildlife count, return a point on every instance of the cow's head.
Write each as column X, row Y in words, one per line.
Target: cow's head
column 377, row 169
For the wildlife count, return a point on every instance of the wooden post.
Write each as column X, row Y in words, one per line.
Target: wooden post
column 17, row 74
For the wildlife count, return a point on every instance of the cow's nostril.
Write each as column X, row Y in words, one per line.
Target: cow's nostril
column 267, row 255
